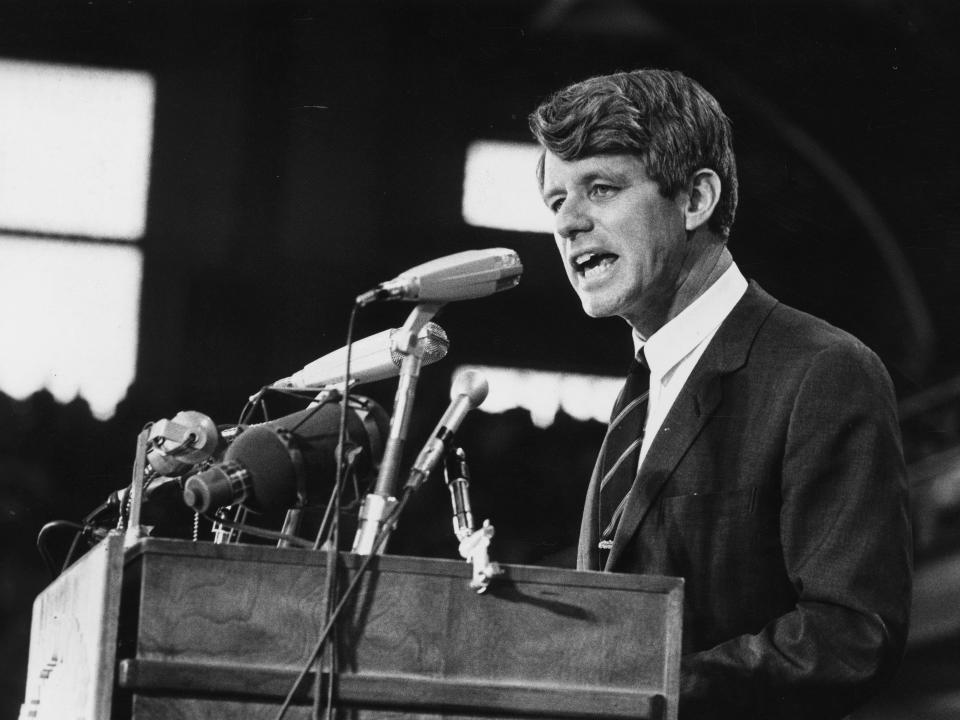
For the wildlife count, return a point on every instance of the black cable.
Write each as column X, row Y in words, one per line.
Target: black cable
column 329, row 517
column 388, row 526
column 73, row 547
column 331, row 396
column 41, row 541
column 249, row 406
column 345, row 463
column 257, row 400
column 308, row 393
column 342, row 432
column 343, row 468
column 331, row 592
column 47, row 560
column 333, row 513
column 87, row 525
column 79, row 528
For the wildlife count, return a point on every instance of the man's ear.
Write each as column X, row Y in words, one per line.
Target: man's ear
column 702, row 198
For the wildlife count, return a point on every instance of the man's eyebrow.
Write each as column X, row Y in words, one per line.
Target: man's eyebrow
column 587, row 178
column 611, row 175
column 547, row 192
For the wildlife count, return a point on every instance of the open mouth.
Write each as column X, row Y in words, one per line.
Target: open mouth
column 591, row 264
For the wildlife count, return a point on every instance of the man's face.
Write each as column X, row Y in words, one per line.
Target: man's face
column 623, row 244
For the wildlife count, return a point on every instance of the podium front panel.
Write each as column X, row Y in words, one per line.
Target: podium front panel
column 224, row 630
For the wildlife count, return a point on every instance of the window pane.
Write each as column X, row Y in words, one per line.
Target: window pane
column 74, row 149
column 500, row 187
column 69, row 315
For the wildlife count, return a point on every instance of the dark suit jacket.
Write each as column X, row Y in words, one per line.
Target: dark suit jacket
column 776, row 488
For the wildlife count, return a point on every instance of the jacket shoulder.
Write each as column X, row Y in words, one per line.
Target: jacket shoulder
column 797, row 331
column 789, row 343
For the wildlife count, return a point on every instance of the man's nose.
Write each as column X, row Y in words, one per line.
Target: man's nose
column 572, row 218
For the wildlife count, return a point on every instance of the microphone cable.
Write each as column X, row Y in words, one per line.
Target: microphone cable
column 342, row 465
column 333, row 548
column 388, row 527
column 79, row 530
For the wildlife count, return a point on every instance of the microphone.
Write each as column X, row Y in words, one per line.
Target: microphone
column 372, row 358
column 461, row 276
column 468, row 390
column 279, row 464
column 457, row 476
column 176, row 446
column 173, row 449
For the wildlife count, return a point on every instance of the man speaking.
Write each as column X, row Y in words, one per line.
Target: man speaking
column 754, row 450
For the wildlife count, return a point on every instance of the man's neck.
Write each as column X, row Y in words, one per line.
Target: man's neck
column 714, row 260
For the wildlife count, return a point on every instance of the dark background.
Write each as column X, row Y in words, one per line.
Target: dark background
column 305, row 151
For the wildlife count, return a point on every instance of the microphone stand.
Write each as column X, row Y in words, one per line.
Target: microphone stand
column 131, row 529
column 380, row 503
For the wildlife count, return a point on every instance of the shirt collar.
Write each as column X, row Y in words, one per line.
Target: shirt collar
column 678, row 338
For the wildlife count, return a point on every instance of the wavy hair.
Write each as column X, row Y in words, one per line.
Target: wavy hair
column 668, row 120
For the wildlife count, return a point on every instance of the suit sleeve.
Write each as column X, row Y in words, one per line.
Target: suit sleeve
column 845, row 535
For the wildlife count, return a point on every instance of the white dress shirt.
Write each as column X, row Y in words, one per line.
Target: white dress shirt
column 673, row 351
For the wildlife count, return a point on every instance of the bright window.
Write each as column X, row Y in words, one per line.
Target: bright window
column 583, row 397
column 500, row 187
column 74, row 150
column 75, row 146
column 68, row 318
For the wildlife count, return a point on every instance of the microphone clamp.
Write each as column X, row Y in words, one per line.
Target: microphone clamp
column 475, row 549
column 390, row 290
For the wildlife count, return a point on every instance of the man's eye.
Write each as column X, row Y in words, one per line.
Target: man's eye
column 601, row 190
column 555, row 204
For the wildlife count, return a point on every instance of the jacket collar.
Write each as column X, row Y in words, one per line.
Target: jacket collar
column 727, row 352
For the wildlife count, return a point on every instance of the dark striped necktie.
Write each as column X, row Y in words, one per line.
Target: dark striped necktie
column 621, row 448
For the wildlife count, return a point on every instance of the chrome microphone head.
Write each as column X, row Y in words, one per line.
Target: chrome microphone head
column 433, row 341
column 472, row 384
column 372, row 358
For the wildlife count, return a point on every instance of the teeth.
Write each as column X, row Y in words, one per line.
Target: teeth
column 592, row 263
column 582, row 260
column 599, row 268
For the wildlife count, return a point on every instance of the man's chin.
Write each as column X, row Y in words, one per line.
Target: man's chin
column 596, row 309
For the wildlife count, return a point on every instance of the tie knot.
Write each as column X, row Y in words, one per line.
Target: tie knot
column 637, row 382
column 639, row 364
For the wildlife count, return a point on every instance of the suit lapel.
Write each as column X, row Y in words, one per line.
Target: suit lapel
column 588, row 555
column 694, row 405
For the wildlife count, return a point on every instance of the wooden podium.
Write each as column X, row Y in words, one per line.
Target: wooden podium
column 175, row 629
